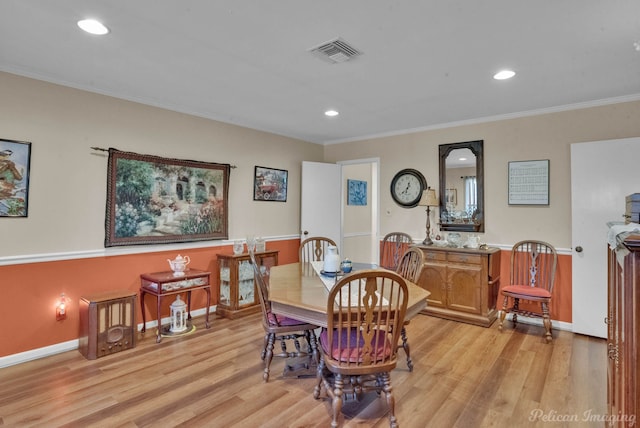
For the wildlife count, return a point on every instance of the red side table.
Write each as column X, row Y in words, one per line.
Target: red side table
column 162, row 284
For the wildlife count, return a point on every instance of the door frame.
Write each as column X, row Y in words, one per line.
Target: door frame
column 375, row 202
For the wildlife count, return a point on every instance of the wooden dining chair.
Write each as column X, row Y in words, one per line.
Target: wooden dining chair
column 394, row 245
column 409, row 268
column 533, row 271
column 314, row 248
column 281, row 328
column 365, row 314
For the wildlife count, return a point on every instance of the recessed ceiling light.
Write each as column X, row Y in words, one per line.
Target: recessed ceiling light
column 504, row 74
column 331, row 113
column 92, row 26
column 462, row 159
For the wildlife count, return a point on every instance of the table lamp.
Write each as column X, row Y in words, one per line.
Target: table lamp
column 428, row 199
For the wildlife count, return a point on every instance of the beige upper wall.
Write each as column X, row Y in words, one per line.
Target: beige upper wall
column 545, row 136
column 67, row 189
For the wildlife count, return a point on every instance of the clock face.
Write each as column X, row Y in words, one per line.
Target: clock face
column 407, row 186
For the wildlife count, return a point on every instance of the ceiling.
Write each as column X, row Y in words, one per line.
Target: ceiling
column 424, row 63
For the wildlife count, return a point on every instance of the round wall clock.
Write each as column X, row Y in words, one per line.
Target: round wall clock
column 407, row 186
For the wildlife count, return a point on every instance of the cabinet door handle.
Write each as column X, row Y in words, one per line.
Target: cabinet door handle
column 613, row 353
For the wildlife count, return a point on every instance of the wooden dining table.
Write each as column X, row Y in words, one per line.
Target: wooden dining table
column 297, row 291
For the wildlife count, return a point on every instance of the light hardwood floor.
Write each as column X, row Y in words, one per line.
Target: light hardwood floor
column 464, row 376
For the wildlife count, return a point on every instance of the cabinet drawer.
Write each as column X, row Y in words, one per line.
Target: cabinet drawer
column 435, row 256
column 475, row 259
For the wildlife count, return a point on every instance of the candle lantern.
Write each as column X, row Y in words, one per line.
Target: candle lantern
column 178, row 316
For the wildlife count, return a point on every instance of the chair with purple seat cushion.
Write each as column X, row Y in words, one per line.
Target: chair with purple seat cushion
column 365, row 315
column 533, row 270
column 314, row 249
column 280, row 328
column 410, row 268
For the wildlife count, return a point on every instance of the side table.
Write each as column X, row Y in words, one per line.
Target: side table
column 162, row 284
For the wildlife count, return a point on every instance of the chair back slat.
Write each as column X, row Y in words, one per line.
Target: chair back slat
column 314, row 249
column 394, row 245
column 366, row 311
column 261, row 278
column 533, row 263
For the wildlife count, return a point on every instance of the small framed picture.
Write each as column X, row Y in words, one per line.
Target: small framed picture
column 529, row 182
column 15, row 160
column 270, row 184
column 357, row 192
column 451, row 196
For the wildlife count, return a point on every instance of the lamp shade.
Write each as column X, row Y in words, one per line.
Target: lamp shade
column 429, row 198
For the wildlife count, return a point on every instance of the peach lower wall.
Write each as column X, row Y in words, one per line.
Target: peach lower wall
column 30, row 291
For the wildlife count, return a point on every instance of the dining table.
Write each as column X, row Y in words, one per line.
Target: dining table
column 300, row 291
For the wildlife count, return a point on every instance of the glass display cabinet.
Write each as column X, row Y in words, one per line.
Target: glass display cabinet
column 237, row 292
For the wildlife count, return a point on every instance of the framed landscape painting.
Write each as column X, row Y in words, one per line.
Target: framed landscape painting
column 15, row 159
column 152, row 200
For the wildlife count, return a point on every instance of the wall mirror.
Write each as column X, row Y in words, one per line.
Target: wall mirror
column 462, row 187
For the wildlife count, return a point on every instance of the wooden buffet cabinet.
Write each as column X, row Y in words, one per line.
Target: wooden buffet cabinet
column 464, row 283
column 623, row 332
column 237, row 292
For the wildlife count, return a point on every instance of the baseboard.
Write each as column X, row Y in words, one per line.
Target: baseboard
column 58, row 348
column 555, row 325
column 71, row 345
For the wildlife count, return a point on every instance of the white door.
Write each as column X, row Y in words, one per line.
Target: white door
column 603, row 173
column 320, row 211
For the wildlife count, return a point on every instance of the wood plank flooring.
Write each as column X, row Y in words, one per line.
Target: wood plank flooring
column 464, row 376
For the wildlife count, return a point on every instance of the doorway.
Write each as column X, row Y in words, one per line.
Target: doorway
column 360, row 219
column 354, row 227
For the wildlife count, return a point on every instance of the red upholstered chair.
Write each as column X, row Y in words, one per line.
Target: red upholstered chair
column 281, row 328
column 394, row 245
column 365, row 314
column 533, row 271
column 409, row 268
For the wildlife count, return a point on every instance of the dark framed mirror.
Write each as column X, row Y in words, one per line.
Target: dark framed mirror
column 462, row 187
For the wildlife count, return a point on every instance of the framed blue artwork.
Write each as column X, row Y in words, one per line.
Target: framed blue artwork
column 357, row 192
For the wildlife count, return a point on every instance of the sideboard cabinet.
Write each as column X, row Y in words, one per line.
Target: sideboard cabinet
column 623, row 331
column 237, row 291
column 464, row 283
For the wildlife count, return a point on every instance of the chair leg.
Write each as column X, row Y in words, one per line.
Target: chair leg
column 546, row 320
column 319, row 379
column 516, row 308
column 336, row 404
column 264, row 346
column 503, row 312
column 268, row 356
column 313, row 344
column 405, row 346
column 391, row 402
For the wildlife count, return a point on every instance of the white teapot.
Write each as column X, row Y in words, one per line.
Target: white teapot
column 179, row 265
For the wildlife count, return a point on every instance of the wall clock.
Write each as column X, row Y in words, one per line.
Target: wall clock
column 407, row 186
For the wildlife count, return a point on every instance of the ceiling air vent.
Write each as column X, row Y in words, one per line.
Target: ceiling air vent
column 335, row 51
